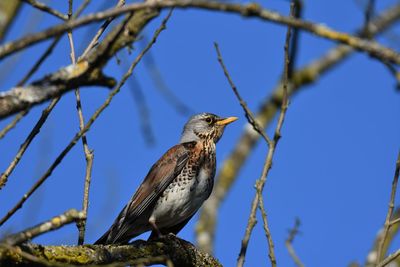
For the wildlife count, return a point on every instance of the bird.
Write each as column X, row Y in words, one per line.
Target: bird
column 176, row 185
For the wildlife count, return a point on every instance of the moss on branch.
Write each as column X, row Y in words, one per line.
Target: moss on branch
column 179, row 251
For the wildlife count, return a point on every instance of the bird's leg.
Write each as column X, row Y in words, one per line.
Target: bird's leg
column 152, row 222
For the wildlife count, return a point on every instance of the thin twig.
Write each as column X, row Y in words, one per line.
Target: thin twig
column 249, row 115
column 13, row 123
column 89, row 155
column 36, row 129
column 252, row 217
column 271, row 253
column 41, row 6
column 389, row 214
column 389, row 259
column 289, row 243
column 97, row 36
column 92, row 119
column 55, row 223
column 249, row 10
column 271, row 150
column 40, row 61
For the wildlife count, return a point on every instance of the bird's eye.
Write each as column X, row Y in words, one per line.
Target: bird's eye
column 209, row 120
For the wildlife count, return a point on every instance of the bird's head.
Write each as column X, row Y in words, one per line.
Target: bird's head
column 205, row 126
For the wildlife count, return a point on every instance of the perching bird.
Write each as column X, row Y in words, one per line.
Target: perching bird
column 176, row 185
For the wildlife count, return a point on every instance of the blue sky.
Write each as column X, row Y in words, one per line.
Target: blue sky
column 333, row 166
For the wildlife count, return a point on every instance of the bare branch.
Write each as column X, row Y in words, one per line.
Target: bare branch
column 36, row 129
column 249, row 115
column 41, row 6
column 89, row 155
column 12, row 124
column 249, row 10
column 96, row 38
column 55, row 223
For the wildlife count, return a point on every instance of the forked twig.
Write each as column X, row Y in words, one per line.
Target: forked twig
column 13, row 123
column 249, row 115
column 264, row 217
column 43, row 7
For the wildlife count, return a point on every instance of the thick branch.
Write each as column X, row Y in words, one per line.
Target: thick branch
column 23, row 97
column 179, row 251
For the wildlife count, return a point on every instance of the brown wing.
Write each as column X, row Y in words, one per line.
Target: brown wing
column 159, row 177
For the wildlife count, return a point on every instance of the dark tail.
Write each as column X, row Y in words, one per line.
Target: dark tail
column 110, row 238
column 103, row 240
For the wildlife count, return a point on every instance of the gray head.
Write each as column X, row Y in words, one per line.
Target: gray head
column 205, row 126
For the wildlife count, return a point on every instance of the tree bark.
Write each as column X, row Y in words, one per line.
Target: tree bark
column 178, row 251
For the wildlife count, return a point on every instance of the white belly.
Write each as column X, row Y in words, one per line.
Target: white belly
column 181, row 201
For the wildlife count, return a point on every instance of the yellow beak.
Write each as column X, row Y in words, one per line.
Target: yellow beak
column 226, row 121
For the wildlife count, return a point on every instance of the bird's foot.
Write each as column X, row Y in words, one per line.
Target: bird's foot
column 156, row 233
